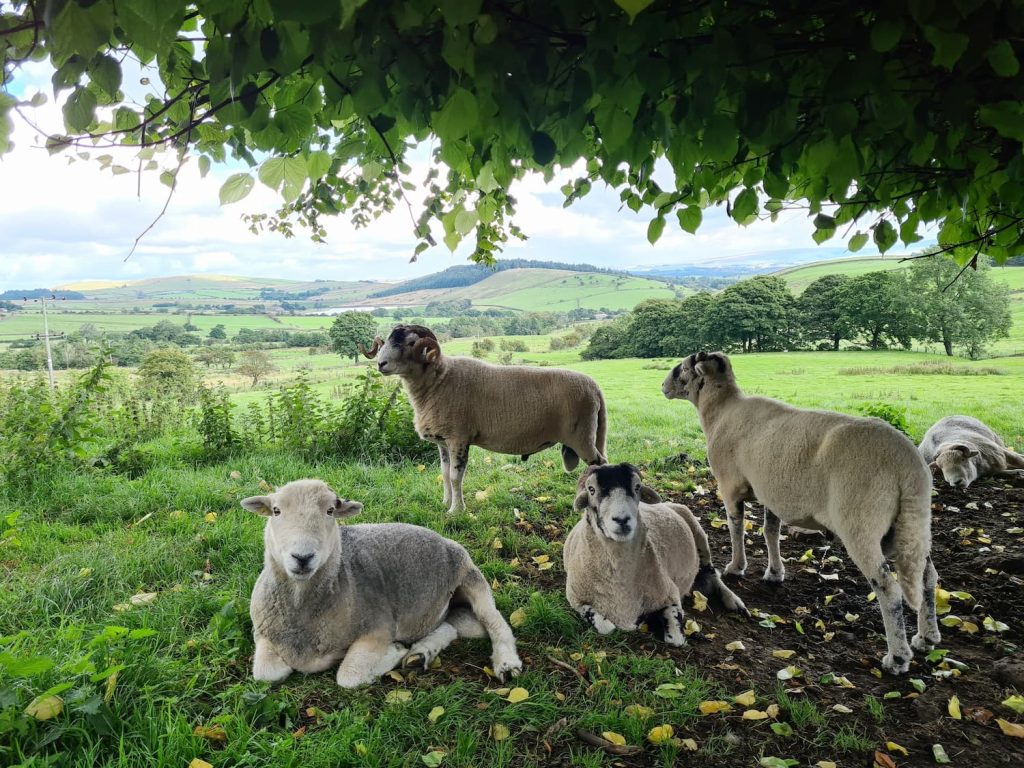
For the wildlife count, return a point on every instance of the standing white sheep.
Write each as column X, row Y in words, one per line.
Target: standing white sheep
column 460, row 401
column 966, row 449
column 856, row 477
column 631, row 558
column 369, row 596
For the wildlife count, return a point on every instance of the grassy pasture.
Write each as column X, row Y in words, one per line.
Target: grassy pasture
column 87, row 544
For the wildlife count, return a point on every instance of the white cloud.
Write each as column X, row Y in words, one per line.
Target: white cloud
column 63, row 222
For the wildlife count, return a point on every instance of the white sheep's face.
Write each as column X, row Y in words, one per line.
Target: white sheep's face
column 407, row 351
column 957, row 464
column 611, row 496
column 302, row 518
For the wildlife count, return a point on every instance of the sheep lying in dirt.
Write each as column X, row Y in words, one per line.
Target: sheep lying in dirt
column 369, row 596
column 460, row 401
column 631, row 558
column 966, row 449
column 856, row 477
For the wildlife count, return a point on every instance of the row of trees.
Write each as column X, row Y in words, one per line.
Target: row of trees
column 930, row 302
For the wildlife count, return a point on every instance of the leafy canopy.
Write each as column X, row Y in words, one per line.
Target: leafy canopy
column 878, row 121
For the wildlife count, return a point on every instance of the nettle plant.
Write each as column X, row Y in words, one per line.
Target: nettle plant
column 877, row 121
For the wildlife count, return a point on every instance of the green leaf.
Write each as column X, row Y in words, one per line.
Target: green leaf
column 106, row 73
column 287, row 174
column 633, row 7
column 821, row 221
column 939, row 753
column 465, row 221
column 1007, row 117
column 544, row 148
column 26, row 666
column 886, row 34
column 458, row 115
column 236, row 188
column 1002, row 59
column 745, row 205
column 690, row 218
column 204, row 166
column 778, row 762
column 432, row 759
column 782, row 729
column 80, row 110
column 317, row 164
column 884, row 235
column 655, row 228
column 720, row 138
column 949, row 46
column 858, row 241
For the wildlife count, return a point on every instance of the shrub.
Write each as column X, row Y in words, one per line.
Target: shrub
column 895, row 415
column 513, row 345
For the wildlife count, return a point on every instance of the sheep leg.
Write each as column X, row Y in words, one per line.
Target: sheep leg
column 369, row 657
column 928, row 635
column 426, row 649
column 1014, row 459
column 776, row 571
column 459, row 458
column 446, row 472
column 504, row 659
column 674, row 624
column 267, row 664
column 890, row 600
column 600, row 624
column 734, row 514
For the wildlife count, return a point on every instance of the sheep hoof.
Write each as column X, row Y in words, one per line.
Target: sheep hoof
column 415, row 660
column 773, row 577
column 924, row 643
column 896, row 664
column 508, row 668
column 732, row 572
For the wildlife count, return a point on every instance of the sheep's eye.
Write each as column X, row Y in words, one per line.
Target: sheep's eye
column 590, row 489
column 276, row 511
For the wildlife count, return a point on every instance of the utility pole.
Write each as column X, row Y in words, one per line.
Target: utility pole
column 46, row 335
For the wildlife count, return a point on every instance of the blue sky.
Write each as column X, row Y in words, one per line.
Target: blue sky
column 64, row 223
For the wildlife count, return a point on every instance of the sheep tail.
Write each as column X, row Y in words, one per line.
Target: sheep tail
column 912, row 542
column 708, row 580
column 602, row 427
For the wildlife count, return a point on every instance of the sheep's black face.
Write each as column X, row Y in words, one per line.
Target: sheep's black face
column 407, row 349
column 611, row 495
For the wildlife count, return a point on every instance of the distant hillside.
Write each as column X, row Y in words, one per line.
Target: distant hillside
column 469, row 274
column 800, row 277
column 17, row 294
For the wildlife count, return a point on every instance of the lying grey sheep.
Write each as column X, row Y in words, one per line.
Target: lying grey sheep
column 966, row 449
column 369, row 596
column 858, row 478
column 460, row 401
column 631, row 558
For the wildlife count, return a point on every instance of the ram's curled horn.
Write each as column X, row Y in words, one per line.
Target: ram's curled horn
column 426, row 350
column 378, row 342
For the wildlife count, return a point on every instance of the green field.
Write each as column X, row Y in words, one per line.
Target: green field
column 85, row 543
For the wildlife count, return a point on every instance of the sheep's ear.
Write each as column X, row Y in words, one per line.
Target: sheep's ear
column 933, row 465
column 582, row 498
column 344, row 508
column 648, row 495
column 261, row 505
column 972, row 453
column 711, row 363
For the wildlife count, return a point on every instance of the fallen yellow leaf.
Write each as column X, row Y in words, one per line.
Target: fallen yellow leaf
column 517, row 694
column 735, row 645
column 397, row 696
column 143, row 598
column 481, row 495
column 615, row 738
column 541, row 559
column 892, row 746
column 954, row 708
column 772, row 710
column 700, row 602
column 395, row 675
column 826, row 764
column 45, row 707
column 660, row 734
column 745, row 699
column 496, row 544
column 713, row 707
column 1016, row 703
column 690, row 744
column 639, row 711
column 755, row 714
column 215, row 733
column 435, row 714
column 518, row 617
column 499, row 732
column 210, row 517
column 197, row 763
column 1010, row 729
column 783, row 654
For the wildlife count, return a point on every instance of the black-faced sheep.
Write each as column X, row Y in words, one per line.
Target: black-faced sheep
column 631, row 558
column 965, row 449
column 369, row 596
column 460, row 401
column 857, row 477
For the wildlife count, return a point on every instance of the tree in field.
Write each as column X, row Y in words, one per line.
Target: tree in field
column 349, row 329
column 878, row 307
column 818, row 310
column 609, row 340
column 879, row 119
column 221, row 356
column 255, row 365
column 966, row 311
column 169, row 371
column 218, row 332
column 653, row 326
column 756, row 315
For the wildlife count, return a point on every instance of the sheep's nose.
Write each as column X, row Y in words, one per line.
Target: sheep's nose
column 623, row 522
column 380, row 365
column 303, row 560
